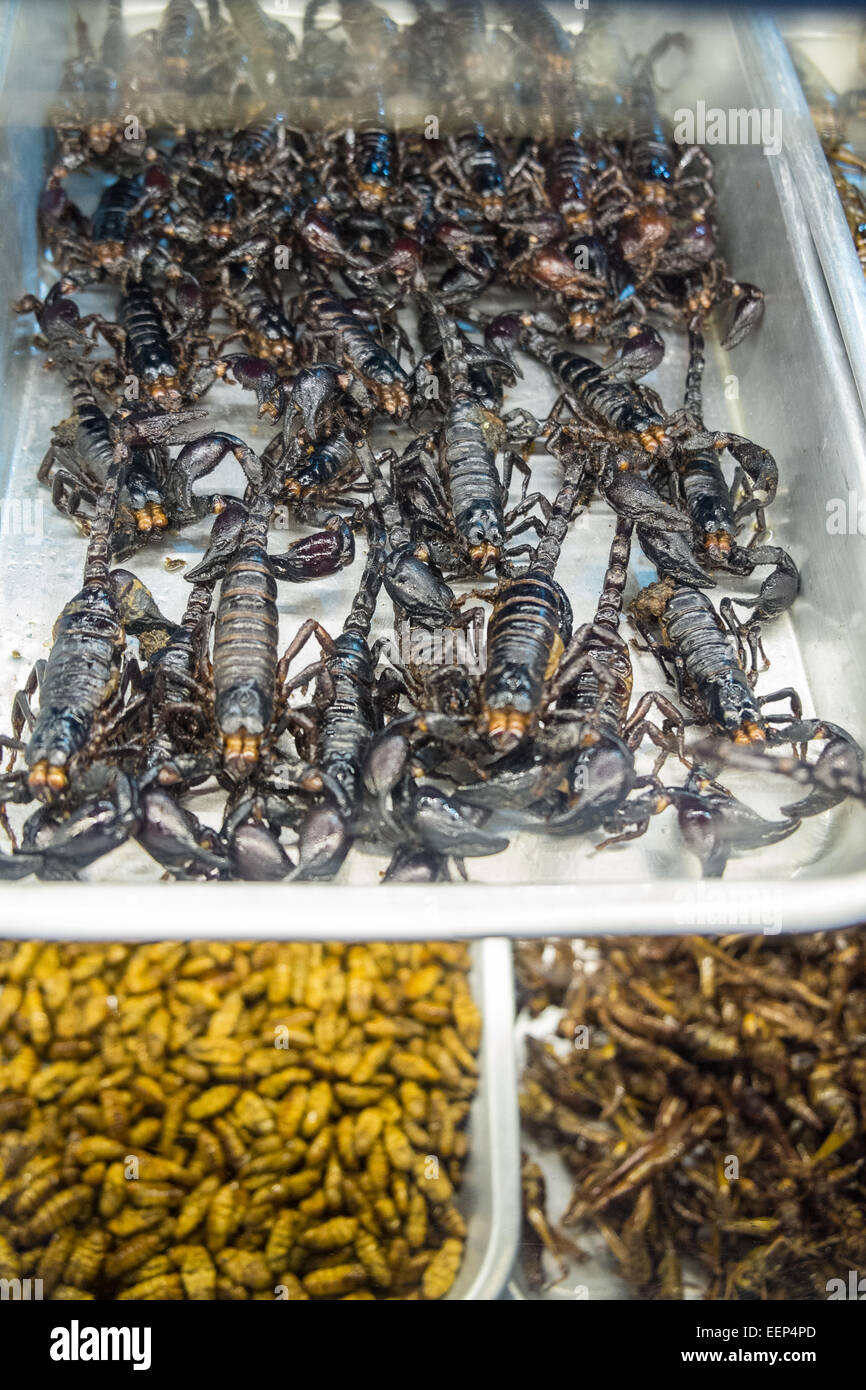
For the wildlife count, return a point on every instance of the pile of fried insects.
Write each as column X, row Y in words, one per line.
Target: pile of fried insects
column 231, row 1120
column 708, row 1101
column 838, row 118
column 345, row 274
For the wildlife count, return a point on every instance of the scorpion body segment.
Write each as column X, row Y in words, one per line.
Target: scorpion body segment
column 471, row 436
column 695, row 637
column 373, row 158
column 149, row 353
column 110, row 223
column 378, row 370
column 81, row 675
column 708, row 502
column 180, row 35
column 527, row 633
column 348, row 721
column 253, row 148
column 245, row 647
column 262, row 322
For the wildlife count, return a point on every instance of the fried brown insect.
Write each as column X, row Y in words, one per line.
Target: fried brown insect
column 706, row 1111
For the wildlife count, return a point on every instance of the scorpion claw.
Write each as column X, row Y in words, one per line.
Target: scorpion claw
column 448, row 826
column 716, row 825
column 324, row 842
column 224, row 538
column 256, row 853
column 747, row 314
column 411, row 865
column 671, row 554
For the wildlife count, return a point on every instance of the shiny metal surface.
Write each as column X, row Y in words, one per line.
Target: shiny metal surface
column 832, row 43
column 490, row 1196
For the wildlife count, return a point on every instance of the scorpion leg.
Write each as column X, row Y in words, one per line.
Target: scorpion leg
column 666, row 657
column 67, row 494
column 21, row 712
column 637, row 726
column 521, row 425
column 786, row 693
column 745, row 635
column 308, row 629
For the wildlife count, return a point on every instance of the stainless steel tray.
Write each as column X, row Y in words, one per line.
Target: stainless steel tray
column 832, row 42
column 796, row 394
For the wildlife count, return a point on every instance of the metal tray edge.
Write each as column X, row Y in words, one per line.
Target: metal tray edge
column 402, row 912
column 498, row 1061
column 766, row 52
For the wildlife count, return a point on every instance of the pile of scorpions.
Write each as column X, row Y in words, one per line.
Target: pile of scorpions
column 313, row 251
